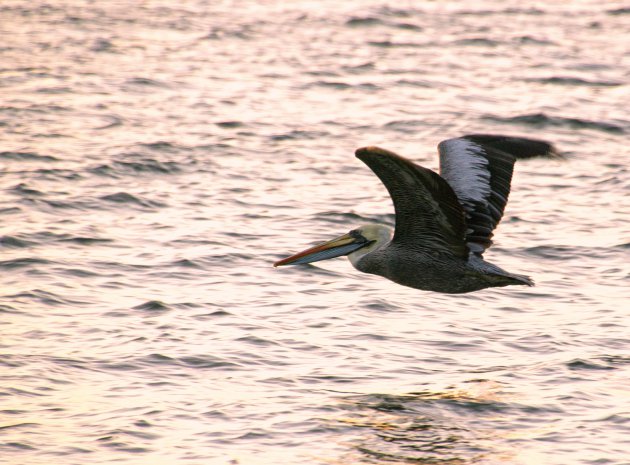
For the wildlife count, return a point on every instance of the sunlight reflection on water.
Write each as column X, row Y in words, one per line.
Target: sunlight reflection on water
column 158, row 158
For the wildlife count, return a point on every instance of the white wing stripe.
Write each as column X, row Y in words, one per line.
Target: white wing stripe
column 467, row 170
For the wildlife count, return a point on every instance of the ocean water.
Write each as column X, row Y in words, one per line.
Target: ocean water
column 157, row 157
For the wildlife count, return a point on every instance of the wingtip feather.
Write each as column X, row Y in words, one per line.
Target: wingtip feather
column 517, row 146
column 371, row 150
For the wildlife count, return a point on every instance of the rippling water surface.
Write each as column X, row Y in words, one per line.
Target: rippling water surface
column 158, row 156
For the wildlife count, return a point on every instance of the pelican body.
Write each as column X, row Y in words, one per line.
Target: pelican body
column 444, row 223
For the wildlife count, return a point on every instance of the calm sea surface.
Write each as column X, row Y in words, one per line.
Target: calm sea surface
column 157, row 157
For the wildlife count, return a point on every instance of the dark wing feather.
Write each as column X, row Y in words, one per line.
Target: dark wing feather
column 520, row 147
column 428, row 214
column 479, row 169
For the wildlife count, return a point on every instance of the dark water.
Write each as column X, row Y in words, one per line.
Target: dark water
column 158, row 156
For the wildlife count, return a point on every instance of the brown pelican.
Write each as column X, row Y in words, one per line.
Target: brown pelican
column 444, row 222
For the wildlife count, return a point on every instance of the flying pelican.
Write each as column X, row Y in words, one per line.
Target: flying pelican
column 444, row 222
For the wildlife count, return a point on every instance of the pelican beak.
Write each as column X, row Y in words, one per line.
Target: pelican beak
column 342, row 245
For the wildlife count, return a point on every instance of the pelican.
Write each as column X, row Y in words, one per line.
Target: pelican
column 444, row 222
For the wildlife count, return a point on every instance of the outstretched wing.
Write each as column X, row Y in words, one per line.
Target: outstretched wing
column 479, row 169
column 428, row 214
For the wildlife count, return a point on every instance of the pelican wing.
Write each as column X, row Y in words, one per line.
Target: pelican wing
column 428, row 214
column 479, row 169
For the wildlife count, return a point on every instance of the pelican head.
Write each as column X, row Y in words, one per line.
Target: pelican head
column 355, row 244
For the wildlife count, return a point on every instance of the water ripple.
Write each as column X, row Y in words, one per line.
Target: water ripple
column 543, row 120
column 130, row 199
column 26, row 156
column 574, row 81
column 158, row 156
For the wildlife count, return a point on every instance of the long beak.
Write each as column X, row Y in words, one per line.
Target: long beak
column 342, row 245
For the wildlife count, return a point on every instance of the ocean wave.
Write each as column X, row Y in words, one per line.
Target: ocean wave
column 129, row 199
column 543, row 120
column 26, row 156
column 574, row 81
column 119, row 168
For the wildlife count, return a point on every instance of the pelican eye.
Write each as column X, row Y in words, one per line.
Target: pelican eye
column 356, row 234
